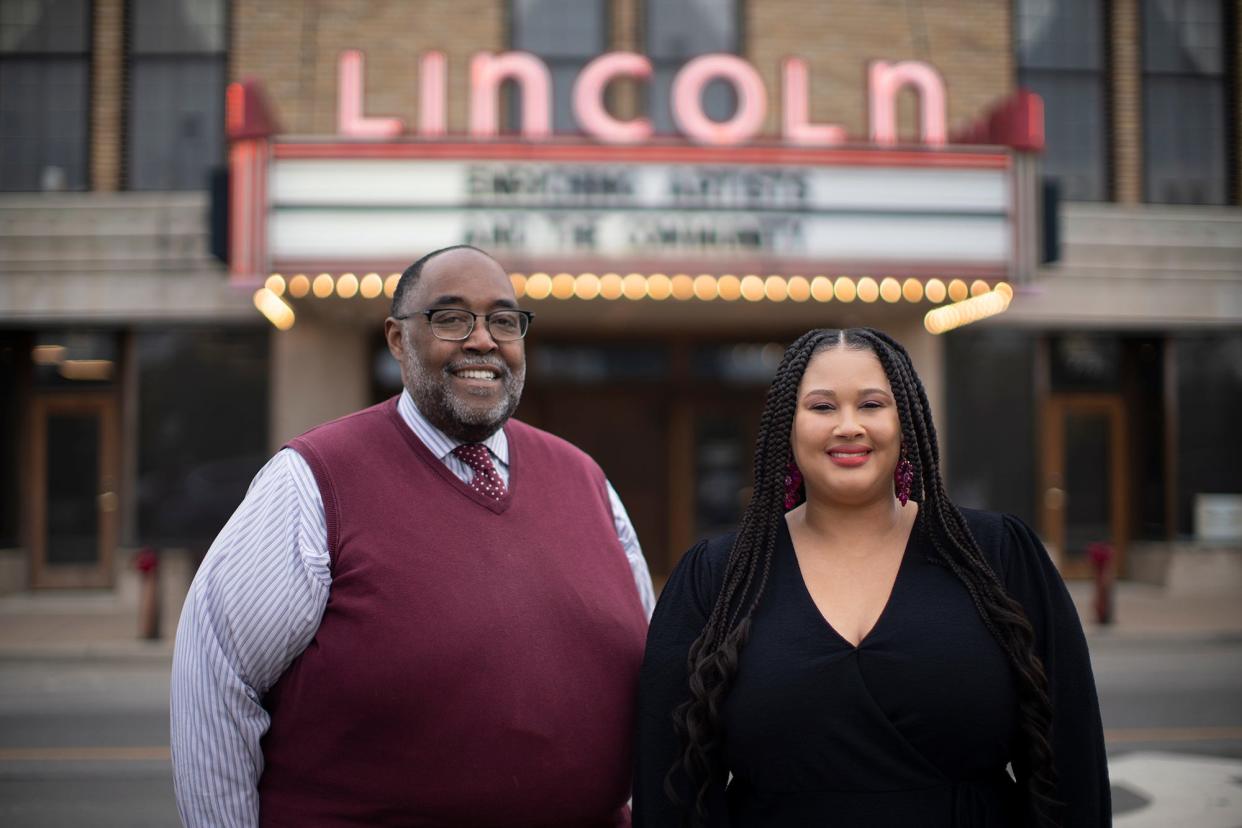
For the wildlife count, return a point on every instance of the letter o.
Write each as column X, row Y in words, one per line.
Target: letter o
column 752, row 100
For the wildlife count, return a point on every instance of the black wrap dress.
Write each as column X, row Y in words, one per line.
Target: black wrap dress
column 913, row 727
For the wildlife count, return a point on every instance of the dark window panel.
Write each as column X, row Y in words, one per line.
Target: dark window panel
column 1060, row 35
column 1075, row 154
column 678, row 30
column 176, row 128
column 1209, row 397
column 178, row 26
column 43, row 26
column 566, row 35
column 1183, row 36
column 1184, row 151
column 990, row 408
column 1060, row 56
column 203, row 403
column 43, row 123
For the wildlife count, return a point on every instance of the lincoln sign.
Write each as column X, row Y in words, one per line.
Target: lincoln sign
column 725, row 199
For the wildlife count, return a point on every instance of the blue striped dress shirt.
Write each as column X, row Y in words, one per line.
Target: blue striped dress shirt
column 255, row 605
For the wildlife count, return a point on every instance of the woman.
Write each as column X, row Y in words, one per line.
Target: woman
column 872, row 656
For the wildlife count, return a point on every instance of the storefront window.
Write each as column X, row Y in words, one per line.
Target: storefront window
column 203, row 411
column 678, row 30
column 1060, row 46
column 1184, row 123
column 990, row 407
column 594, row 364
column 176, row 93
column 1209, row 397
column 45, row 94
column 566, row 35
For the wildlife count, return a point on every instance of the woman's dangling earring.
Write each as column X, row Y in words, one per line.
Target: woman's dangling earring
column 793, row 482
column 903, row 477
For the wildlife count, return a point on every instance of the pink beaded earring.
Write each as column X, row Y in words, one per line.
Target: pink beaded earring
column 793, row 482
column 903, row 477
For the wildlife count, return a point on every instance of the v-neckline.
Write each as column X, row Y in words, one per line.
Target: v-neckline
column 497, row 505
column 809, row 599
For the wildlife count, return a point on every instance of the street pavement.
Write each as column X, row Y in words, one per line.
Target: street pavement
column 84, row 711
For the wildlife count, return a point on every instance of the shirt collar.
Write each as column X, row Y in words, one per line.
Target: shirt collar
column 439, row 443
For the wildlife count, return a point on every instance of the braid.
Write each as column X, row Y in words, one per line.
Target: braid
column 1002, row 616
column 713, row 657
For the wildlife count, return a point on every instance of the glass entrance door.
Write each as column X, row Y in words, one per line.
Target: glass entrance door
column 73, row 491
column 1084, row 474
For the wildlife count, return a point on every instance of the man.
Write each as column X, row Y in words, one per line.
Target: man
column 423, row 613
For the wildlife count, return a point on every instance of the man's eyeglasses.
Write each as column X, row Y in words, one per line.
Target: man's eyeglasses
column 455, row 324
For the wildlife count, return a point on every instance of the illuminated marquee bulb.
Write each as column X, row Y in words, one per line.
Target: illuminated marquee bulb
column 371, row 286
column 276, row 284
column 274, row 308
column 587, row 286
column 682, row 287
column 659, row 286
column 844, row 289
column 705, row 287
column 390, row 284
column 729, row 287
column 799, row 289
column 775, row 288
column 563, row 285
column 890, row 290
column 634, row 286
column 868, row 290
column 752, row 288
column 1004, row 289
column 611, row 286
column 538, row 286
column 821, row 289
column 518, row 280
column 979, row 287
column 322, row 286
column 958, row 290
column 912, row 290
column 299, row 286
column 347, row 286
column 936, row 291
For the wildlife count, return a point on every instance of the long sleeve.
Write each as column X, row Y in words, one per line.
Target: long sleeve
column 253, row 607
column 633, row 552
column 1077, row 733
column 678, row 619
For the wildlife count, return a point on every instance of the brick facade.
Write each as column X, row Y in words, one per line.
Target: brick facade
column 107, row 100
column 969, row 42
column 292, row 47
column 1127, row 103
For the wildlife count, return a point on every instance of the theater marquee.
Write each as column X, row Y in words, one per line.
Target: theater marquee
column 718, row 201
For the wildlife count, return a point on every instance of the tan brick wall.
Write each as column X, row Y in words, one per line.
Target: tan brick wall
column 107, row 58
column 1127, row 114
column 292, row 47
column 969, row 42
column 625, row 20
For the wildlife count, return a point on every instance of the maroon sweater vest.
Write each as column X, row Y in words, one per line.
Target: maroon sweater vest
column 477, row 660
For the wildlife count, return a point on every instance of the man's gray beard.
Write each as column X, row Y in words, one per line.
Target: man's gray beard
column 454, row 416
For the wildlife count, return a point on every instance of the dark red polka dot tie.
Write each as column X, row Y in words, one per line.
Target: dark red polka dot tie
column 486, row 480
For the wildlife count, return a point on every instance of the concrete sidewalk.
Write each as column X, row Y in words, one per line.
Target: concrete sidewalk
column 90, row 624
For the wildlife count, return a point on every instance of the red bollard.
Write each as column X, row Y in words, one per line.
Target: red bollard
column 147, row 562
column 1102, row 557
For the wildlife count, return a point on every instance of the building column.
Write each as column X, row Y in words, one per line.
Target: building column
column 1126, row 78
column 319, row 372
column 927, row 353
column 107, row 111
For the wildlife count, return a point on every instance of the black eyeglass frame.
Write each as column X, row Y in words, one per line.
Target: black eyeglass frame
column 474, row 317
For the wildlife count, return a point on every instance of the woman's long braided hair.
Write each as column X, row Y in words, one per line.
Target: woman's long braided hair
column 713, row 657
